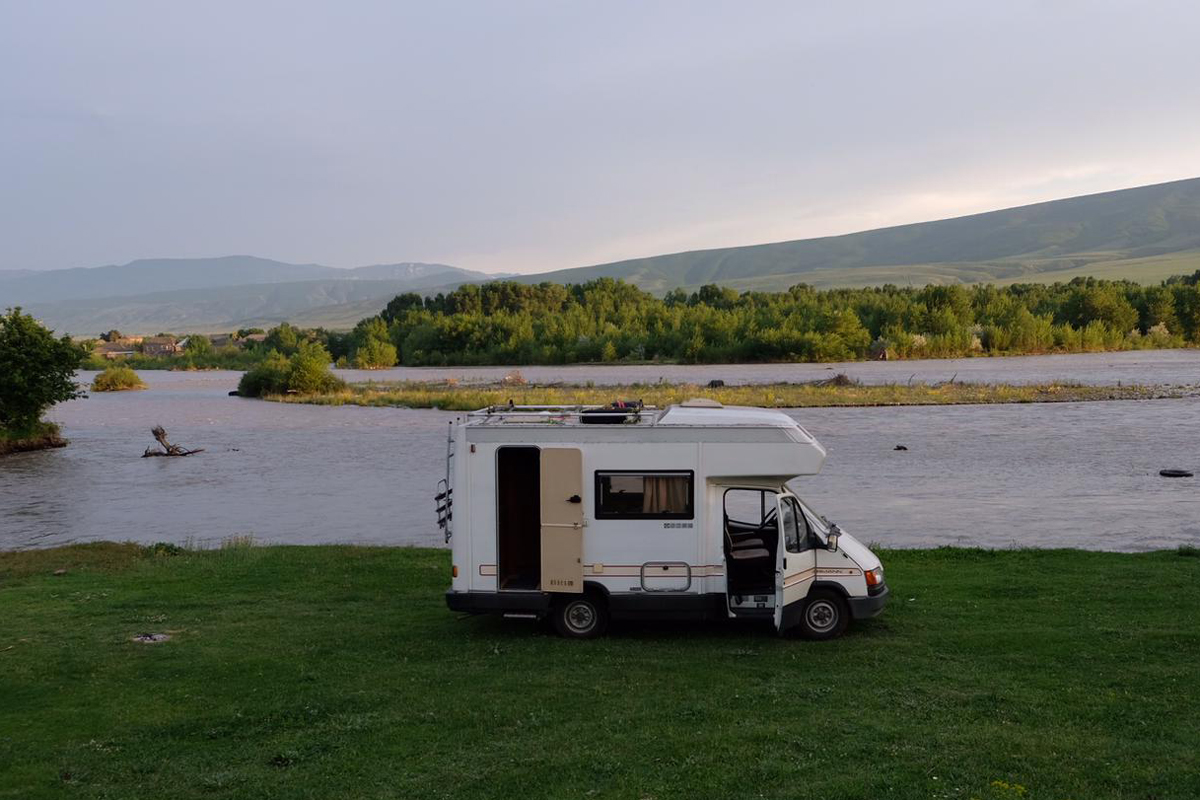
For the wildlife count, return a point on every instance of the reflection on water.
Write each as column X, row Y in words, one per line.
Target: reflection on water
column 1079, row 475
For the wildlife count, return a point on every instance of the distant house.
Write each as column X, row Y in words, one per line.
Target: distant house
column 160, row 345
column 118, row 349
column 221, row 339
column 257, row 338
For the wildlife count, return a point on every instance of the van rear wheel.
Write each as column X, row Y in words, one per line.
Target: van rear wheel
column 825, row 615
column 582, row 616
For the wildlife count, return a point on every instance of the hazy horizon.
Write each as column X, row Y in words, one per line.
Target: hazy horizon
column 533, row 136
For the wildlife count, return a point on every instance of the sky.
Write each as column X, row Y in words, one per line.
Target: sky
column 527, row 136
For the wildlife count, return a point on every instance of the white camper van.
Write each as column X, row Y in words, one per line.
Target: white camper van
column 584, row 514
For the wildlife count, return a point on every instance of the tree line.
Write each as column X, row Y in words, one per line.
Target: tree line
column 606, row 320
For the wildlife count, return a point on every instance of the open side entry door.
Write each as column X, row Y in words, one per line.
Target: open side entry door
column 796, row 565
column 562, row 519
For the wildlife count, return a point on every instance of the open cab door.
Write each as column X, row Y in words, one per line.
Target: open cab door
column 795, row 565
column 562, row 519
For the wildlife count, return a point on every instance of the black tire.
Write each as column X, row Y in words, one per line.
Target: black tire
column 581, row 616
column 825, row 615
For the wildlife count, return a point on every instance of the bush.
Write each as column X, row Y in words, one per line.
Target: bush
column 306, row 372
column 117, row 379
column 269, row 377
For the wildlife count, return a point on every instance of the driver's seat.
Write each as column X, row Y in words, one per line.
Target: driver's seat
column 745, row 550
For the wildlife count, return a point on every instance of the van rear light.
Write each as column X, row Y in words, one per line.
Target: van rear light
column 454, row 571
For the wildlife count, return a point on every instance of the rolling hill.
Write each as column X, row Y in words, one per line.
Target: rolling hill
column 170, row 274
column 216, row 294
column 1145, row 233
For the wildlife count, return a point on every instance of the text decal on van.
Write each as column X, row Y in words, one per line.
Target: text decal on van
column 678, row 525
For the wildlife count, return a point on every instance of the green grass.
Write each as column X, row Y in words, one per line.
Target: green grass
column 329, row 672
column 41, row 436
column 468, row 397
column 117, row 378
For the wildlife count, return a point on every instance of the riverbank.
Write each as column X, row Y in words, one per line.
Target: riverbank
column 338, row 672
column 44, row 436
column 451, row 396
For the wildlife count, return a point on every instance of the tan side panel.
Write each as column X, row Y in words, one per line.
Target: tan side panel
column 562, row 479
column 562, row 567
column 562, row 520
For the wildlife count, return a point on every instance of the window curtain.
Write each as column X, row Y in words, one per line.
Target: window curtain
column 664, row 495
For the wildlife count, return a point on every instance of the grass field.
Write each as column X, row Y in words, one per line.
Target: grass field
column 330, row 672
column 468, row 397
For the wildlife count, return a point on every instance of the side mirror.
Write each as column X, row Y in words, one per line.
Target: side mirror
column 834, row 533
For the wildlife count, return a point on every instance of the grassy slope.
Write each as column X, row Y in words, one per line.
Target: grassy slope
column 330, row 672
column 455, row 397
column 1017, row 243
column 1110, row 266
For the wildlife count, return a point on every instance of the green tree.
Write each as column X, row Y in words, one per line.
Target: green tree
column 310, row 370
column 198, row 345
column 372, row 345
column 36, row 370
column 1100, row 303
column 284, row 339
column 400, row 305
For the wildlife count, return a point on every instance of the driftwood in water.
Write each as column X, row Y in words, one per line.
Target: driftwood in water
column 168, row 449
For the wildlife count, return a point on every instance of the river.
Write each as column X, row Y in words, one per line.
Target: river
column 1043, row 475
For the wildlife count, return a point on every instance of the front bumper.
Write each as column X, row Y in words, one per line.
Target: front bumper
column 869, row 606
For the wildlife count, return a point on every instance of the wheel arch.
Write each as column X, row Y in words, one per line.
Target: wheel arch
column 831, row 585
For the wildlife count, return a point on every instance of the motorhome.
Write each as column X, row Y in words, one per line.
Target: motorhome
column 585, row 514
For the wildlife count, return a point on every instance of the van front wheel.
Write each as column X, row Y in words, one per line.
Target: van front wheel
column 825, row 615
column 582, row 616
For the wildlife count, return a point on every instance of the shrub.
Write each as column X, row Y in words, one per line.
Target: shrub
column 310, row 370
column 269, row 377
column 117, row 379
column 306, row 372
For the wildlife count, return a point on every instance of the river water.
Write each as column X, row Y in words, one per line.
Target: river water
column 1044, row 475
column 1158, row 367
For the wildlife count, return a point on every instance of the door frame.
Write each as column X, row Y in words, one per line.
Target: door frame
column 795, row 571
column 500, row 574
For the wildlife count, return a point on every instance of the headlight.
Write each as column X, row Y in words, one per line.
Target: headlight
column 874, row 576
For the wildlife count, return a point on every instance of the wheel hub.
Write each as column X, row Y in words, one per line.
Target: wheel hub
column 822, row 615
column 580, row 616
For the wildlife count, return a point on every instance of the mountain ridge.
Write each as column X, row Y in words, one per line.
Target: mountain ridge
column 148, row 275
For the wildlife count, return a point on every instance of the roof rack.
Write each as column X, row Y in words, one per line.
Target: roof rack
column 564, row 414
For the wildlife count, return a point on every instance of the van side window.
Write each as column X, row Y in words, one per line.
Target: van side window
column 791, row 531
column 797, row 532
column 622, row 494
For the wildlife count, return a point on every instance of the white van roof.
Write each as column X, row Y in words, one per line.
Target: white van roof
column 691, row 413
